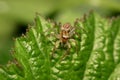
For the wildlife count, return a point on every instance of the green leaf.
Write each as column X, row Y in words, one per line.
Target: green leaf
column 93, row 55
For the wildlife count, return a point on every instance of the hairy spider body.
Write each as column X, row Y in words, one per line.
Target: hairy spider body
column 64, row 36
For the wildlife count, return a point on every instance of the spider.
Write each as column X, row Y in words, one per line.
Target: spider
column 65, row 37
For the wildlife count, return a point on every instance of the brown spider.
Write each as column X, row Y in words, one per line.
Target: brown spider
column 64, row 38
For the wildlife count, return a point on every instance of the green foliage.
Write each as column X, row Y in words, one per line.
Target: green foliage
column 96, row 56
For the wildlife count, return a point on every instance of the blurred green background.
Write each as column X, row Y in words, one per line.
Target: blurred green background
column 16, row 15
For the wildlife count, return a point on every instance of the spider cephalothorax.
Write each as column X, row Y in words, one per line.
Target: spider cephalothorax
column 66, row 32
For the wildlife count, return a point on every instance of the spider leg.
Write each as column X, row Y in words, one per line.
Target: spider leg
column 54, row 35
column 67, row 51
column 72, row 31
column 76, row 44
column 51, row 31
column 79, row 26
column 57, row 43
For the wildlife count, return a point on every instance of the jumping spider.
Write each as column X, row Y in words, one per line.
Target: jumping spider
column 65, row 37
